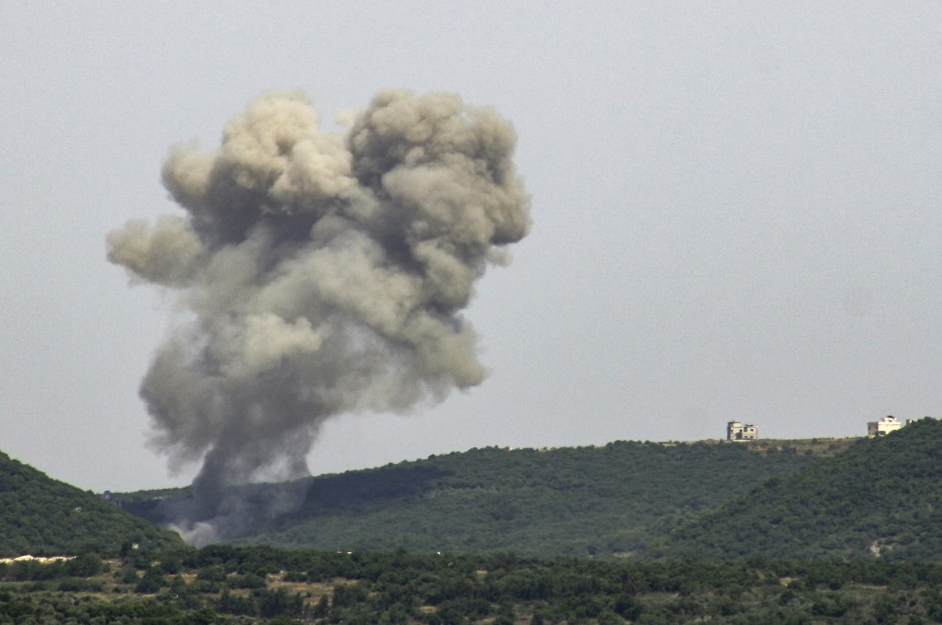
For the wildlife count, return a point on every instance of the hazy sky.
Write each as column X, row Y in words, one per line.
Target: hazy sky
column 736, row 212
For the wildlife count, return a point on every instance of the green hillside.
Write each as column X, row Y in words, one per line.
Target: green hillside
column 882, row 497
column 42, row 516
column 602, row 501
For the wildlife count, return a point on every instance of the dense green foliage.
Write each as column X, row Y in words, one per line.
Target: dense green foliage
column 880, row 497
column 225, row 584
column 42, row 516
column 600, row 501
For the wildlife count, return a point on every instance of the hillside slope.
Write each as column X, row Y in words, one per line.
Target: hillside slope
column 882, row 497
column 602, row 501
column 42, row 516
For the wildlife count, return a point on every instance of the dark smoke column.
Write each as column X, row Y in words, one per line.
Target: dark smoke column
column 324, row 273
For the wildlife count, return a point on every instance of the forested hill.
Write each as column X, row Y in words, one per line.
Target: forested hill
column 881, row 497
column 42, row 516
column 604, row 501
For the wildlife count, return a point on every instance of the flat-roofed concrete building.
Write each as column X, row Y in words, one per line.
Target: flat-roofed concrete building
column 884, row 426
column 741, row 432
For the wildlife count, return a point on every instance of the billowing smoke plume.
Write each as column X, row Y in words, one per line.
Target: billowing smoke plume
column 325, row 273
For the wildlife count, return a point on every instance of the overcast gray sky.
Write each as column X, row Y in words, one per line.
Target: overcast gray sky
column 736, row 211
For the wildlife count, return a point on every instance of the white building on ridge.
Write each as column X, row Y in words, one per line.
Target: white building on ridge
column 736, row 431
column 884, row 426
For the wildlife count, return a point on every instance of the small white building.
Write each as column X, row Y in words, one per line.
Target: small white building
column 884, row 426
column 740, row 432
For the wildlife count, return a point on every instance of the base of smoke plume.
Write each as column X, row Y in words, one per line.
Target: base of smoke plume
column 232, row 512
column 199, row 534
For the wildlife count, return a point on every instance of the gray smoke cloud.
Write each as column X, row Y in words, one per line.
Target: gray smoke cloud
column 324, row 272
